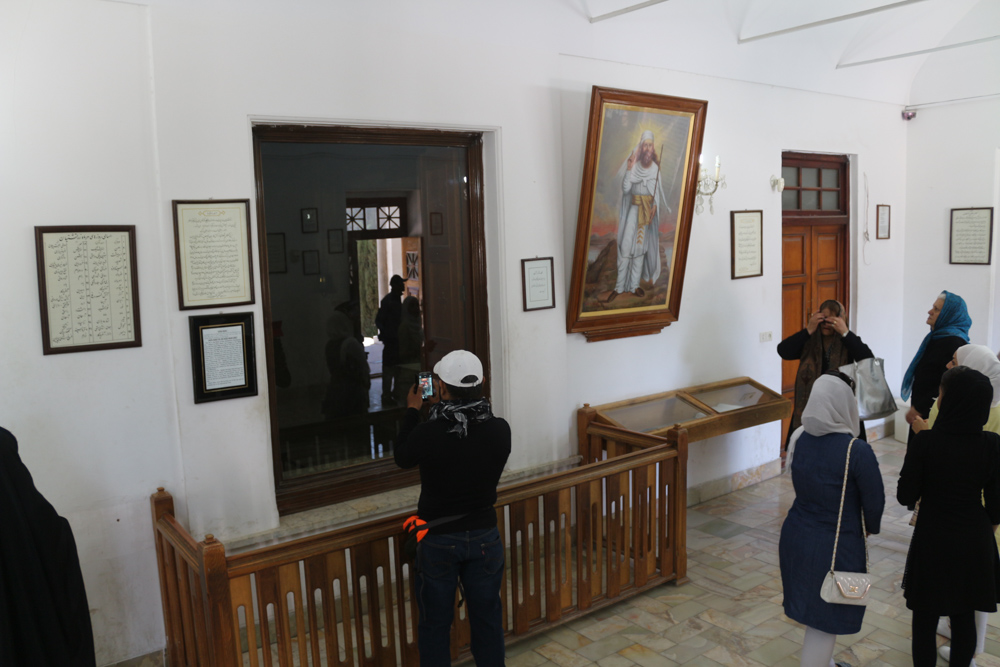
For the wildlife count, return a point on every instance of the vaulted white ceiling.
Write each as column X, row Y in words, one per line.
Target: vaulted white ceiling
column 886, row 50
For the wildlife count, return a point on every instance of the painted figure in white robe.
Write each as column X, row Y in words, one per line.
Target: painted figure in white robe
column 639, row 219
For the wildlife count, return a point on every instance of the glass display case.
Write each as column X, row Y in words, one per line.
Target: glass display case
column 704, row 411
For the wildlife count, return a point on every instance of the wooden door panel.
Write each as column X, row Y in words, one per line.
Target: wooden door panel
column 794, row 254
column 828, row 289
column 827, row 250
column 793, row 316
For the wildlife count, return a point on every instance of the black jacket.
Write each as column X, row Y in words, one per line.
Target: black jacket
column 457, row 475
column 44, row 617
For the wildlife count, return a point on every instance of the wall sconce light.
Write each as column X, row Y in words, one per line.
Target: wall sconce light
column 707, row 186
column 777, row 183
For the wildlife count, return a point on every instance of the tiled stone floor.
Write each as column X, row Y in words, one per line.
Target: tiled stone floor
column 730, row 614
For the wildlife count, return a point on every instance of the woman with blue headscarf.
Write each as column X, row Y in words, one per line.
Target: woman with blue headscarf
column 949, row 321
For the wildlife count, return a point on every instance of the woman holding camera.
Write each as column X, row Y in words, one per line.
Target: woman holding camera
column 824, row 344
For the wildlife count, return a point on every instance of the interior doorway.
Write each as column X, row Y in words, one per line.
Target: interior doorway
column 815, row 246
column 344, row 210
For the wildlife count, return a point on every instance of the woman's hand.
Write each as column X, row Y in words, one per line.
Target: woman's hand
column 919, row 424
column 911, row 414
column 814, row 321
column 838, row 324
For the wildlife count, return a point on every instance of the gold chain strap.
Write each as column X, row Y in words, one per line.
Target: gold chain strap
column 864, row 530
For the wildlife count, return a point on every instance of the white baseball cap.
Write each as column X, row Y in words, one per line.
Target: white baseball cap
column 460, row 368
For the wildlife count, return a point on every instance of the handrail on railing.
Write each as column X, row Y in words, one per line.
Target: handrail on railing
column 577, row 540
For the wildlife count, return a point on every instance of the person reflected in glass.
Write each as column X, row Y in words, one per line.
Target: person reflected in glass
column 411, row 343
column 390, row 312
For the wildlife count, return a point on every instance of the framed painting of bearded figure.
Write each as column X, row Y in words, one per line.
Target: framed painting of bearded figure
column 640, row 177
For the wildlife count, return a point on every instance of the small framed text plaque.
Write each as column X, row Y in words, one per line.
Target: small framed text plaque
column 222, row 356
column 746, row 244
column 971, row 237
column 537, row 280
column 882, row 221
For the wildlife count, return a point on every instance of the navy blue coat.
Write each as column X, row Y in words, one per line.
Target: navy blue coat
column 807, row 534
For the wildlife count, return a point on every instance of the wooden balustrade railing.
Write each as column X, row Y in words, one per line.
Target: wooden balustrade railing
column 575, row 541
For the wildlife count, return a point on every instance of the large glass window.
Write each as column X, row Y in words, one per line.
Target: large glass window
column 378, row 286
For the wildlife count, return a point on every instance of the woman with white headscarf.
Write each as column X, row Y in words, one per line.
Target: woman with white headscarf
column 982, row 359
column 829, row 425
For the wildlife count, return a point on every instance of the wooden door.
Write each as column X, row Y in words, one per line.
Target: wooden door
column 814, row 246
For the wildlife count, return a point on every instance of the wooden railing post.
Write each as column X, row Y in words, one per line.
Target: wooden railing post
column 679, row 513
column 584, row 416
column 218, row 603
column 162, row 503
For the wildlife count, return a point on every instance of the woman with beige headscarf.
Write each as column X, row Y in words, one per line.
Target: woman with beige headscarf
column 982, row 359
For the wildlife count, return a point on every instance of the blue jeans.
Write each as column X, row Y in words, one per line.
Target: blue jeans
column 476, row 557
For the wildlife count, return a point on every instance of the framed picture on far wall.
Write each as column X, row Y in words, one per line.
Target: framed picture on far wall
column 335, row 241
column 640, row 174
column 882, row 221
column 746, row 244
column 971, row 237
column 310, row 220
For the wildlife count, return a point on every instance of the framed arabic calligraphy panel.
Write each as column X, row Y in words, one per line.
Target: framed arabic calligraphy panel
column 88, row 288
column 212, row 242
column 636, row 203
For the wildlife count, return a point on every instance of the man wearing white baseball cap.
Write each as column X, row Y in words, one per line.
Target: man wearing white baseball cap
column 461, row 450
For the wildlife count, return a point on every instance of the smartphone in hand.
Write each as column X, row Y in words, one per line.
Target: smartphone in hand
column 425, row 381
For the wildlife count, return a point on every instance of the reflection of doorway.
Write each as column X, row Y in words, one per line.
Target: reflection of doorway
column 814, row 245
column 379, row 250
column 404, row 202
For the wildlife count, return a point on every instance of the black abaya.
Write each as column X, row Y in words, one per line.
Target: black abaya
column 44, row 617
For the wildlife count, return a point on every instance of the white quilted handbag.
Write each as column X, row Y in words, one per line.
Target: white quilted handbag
column 847, row 587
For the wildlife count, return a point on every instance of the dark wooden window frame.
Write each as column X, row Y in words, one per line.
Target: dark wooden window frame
column 298, row 494
column 819, row 161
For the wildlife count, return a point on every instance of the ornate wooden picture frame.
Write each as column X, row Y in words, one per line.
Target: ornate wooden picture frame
column 639, row 183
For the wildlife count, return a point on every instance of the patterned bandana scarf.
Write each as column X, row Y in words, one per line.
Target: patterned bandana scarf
column 461, row 413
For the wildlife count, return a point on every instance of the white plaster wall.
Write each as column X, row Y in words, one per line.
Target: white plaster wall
column 951, row 163
column 108, row 111
column 98, row 430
